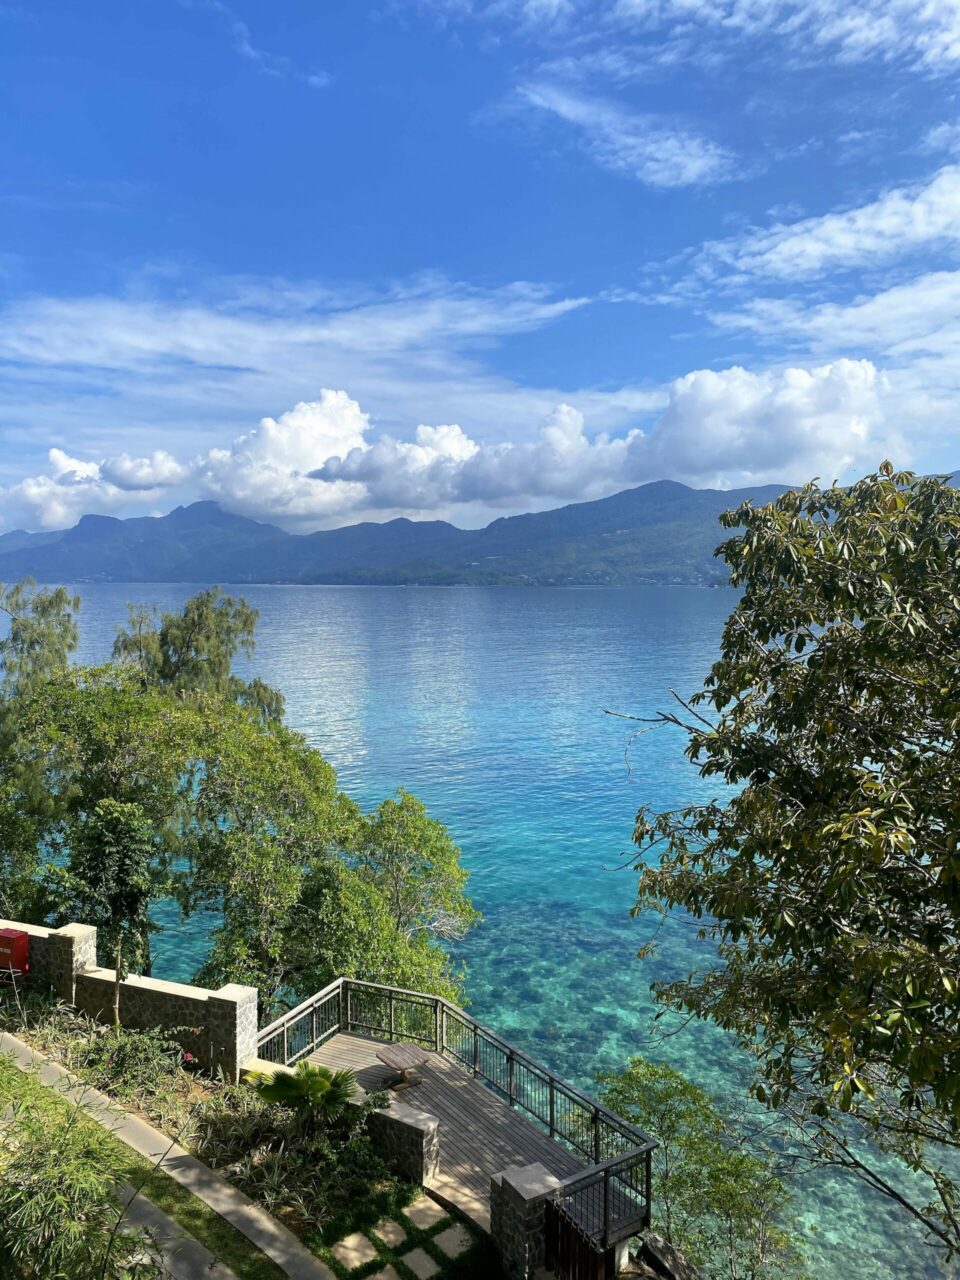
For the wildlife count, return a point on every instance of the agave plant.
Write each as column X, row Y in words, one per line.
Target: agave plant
column 316, row 1093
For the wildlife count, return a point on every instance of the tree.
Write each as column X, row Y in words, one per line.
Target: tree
column 411, row 858
column 41, row 634
column 720, row 1205
column 316, row 1093
column 110, row 878
column 193, row 651
column 829, row 880
column 337, row 924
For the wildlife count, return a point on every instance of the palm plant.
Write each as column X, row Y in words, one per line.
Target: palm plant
column 316, row 1093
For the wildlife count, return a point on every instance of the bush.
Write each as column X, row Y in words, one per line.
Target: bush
column 59, row 1208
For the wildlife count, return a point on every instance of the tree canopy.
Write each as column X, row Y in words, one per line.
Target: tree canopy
column 166, row 753
column 829, row 879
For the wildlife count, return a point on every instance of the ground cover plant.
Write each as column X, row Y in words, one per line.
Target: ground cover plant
column 315, row 1178
column 59, row 1211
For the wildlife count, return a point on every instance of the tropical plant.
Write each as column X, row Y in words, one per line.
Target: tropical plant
column 60, row 1209
column 317, row 1094
column 827, row 872
column 724, row 1207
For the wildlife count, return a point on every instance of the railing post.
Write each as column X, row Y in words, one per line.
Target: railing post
column 443, row 1029
column 476, row 1049
column 391, row 1014
column 596, row 1136
column 606, row 1210
column 437, row 1030
column 511, row 1072
column 286, row 1051
column 313, row 1025
column 647, row 1172
column 553, row 1107
column 346, row 1012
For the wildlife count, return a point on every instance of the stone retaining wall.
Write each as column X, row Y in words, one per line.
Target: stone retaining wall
column 218, row 1027
column 517, row 1221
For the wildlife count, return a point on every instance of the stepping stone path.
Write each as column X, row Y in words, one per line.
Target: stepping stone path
column 388, row 1273
column 425, row 1213
column 390, row 1232
column 355, row 1251
column 454, row 1241
column 421, row 1264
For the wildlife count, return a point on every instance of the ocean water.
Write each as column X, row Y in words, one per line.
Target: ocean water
column 489, row 704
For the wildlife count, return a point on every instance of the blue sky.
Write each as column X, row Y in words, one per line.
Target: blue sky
column 328, row 261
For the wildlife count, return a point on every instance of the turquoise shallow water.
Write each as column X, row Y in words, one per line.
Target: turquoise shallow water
column 488, row 704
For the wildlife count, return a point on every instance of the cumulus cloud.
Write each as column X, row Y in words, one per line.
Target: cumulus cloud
column 638, row 146
column 321, row 463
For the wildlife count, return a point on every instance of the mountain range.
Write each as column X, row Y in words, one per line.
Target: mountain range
column 663, row 532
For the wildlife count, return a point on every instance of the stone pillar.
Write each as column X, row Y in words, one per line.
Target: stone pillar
column 70, row 950
column 517, row 1228
column 232, row 1029
column 409, row 1140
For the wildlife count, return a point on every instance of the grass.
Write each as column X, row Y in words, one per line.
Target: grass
column 203, row 1223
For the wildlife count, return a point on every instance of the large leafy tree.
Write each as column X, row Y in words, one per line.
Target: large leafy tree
column 193, row 650
column 233, row 811
column 413, row 861
column 110, row 879
column 827, row 872
column 725, row 1207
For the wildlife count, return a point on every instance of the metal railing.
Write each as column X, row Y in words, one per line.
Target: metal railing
column 606, row 1203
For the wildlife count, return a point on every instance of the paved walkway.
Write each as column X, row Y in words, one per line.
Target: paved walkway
column 181, row 1257
column 270, row 1236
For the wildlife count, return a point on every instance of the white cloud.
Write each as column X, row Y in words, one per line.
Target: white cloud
column 902, row 221
column 920, row 33
column 942, row 137
column 159, row 470
column 271, row 64
column 639, row 146
column 317, row 465
column 264, row 473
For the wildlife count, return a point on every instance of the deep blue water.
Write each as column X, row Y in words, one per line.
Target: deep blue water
column 487, row 703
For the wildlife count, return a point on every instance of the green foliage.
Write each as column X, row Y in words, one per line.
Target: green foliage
column 723, row 1207
column 829, row 881
column 316, row 1093
column 40, row 634
column 59, row 1207
column 109, row 879
column 415, row 864
column 193, row 650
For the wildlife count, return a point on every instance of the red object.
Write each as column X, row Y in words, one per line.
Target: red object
column 14, row 951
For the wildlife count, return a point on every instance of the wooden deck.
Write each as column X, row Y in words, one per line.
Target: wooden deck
column 479, row 1133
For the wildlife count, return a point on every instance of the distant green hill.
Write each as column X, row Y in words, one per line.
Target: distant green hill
column 662, row 532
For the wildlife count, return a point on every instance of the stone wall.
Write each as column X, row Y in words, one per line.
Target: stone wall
column 408, row 1139
column 517, row 1222
column 218, row 1027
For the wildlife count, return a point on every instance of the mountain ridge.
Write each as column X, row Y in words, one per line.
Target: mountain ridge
column 663, row 531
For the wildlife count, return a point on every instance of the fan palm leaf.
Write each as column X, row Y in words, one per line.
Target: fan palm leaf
column 314, row 1091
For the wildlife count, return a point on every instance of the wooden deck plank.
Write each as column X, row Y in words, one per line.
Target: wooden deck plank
column 480, row 1135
